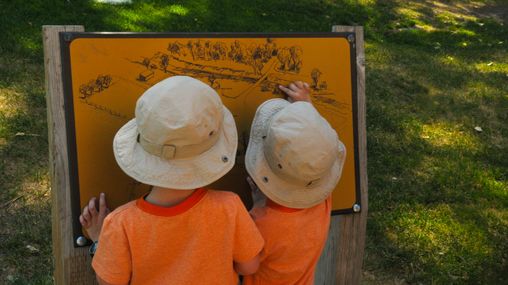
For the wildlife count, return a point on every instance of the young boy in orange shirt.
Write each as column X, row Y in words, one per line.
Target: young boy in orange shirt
column 182, row 139
column 296, row 160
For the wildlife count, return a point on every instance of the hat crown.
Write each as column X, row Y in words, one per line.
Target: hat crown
column 300, row 144
column 179, row 111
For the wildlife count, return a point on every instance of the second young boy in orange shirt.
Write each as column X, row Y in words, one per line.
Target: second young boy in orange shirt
column 295, row 158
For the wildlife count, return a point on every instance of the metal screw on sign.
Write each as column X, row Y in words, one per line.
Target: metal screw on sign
column 351, row 38
column 356, row 208
column 67, row 37
column 81, row 241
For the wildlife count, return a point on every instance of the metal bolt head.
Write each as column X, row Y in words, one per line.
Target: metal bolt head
column 351, row 38
column 81, row 241
column 356, row 208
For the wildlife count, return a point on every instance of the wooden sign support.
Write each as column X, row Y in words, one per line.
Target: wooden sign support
column 341, row 261
column 72, row 265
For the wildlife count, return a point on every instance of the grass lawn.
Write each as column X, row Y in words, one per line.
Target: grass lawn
column 436, row 70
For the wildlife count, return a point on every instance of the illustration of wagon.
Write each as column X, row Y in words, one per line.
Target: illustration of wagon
column 101, row 83
column 145, row 75
column 86, row 90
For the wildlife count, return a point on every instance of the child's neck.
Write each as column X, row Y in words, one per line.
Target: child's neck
column 166, row 197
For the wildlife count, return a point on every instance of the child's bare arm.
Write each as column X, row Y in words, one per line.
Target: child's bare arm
column 248, row 267
column 297, row 91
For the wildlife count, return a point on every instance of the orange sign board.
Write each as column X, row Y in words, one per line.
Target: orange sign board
column 106, row 73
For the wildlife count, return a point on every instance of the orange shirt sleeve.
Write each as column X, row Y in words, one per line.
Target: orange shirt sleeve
column 112, row 261
column 248, row 241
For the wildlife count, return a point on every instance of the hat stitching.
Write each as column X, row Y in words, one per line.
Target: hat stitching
column 170, row 151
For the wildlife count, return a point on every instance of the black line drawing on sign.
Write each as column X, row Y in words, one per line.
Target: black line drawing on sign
column 253, row 68
column 101, row 83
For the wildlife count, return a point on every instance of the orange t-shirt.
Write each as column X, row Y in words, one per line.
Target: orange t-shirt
column 194, row 242
column 294, row 240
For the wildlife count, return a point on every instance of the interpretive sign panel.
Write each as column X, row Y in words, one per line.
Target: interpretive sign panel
column 105, row 73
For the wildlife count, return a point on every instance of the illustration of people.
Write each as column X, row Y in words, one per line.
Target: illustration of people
column 295, row 58
column 146, row 62
column 190, row 47
column 164, row 62
column 220, row 50
column 315, row 74
column 208, row 50
column 284, row 57
column 175, row 48
column 254, row 58
column 270, row 49
column 236, row 53
column 200, row 50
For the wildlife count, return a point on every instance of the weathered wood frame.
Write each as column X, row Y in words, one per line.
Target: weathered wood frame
column 72, row 265
column 341, row 261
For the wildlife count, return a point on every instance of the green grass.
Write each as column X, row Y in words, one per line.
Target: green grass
column 438, row 189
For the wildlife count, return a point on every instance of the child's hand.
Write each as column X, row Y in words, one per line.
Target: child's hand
column 297, row 91
column 91, row 219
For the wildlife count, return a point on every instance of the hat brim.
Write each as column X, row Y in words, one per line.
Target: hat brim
column 185, row 174
column 281, row 191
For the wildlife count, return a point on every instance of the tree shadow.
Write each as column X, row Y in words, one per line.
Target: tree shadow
column 407, row 169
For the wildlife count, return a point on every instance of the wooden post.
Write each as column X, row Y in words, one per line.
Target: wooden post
column 342, row 259
column 72, row 265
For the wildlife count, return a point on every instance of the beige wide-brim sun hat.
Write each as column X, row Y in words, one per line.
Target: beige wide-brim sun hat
column 293, row 156
column 166, row 145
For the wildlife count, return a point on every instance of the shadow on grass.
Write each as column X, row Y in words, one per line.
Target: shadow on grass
column 22, row 21
column 438, row 189
column 26, row 256
column 25, row 224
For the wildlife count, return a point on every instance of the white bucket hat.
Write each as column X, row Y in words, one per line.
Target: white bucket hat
column 294, row 155
column 182, row 137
